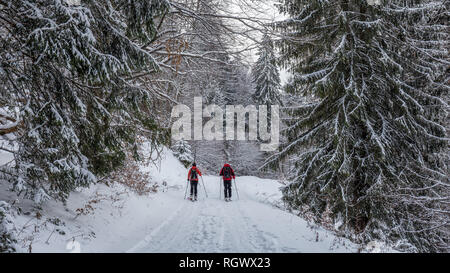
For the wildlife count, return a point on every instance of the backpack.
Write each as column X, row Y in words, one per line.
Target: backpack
column 193, row 174
column 227, row 172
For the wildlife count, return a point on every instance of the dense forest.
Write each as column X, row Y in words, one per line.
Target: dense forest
column 362, row 88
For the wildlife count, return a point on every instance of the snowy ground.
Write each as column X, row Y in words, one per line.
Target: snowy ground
column 245, row 225
column 164, row 222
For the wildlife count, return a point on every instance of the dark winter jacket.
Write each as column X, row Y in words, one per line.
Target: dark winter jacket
column 198, row 174
column 231, row 174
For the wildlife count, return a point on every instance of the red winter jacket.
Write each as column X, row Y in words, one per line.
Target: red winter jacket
column 232, row 172
column 198, row 173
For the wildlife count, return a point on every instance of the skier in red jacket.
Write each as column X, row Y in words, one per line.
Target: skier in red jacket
column 193, row 175
column 227, row 174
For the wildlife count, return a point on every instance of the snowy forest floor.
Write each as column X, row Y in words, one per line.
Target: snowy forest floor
column 115, row 219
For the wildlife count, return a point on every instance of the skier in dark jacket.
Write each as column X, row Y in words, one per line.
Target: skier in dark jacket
column 227, row 174
column 193, row 175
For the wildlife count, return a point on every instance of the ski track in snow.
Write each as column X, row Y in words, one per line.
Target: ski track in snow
column 245, row 225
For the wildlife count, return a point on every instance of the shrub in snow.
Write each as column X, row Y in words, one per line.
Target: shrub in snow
column 134, row 178
column 7, row 228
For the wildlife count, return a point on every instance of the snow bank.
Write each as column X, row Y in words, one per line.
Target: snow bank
column 96, row 219
column 261, row 190
column 168, row 169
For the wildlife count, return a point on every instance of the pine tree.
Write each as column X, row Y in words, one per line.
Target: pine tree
column 183, row 151
column 266, row 76
column 229, row 82
column 367, row 147
column 215, row 95
column 69, row 70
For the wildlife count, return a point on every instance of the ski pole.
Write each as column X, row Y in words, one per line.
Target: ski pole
column 235, row 186
column 203, row 182
column 220, row 188
column 185, row 191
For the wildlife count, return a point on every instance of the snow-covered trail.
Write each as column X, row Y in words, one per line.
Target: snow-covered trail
column 244, row 225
